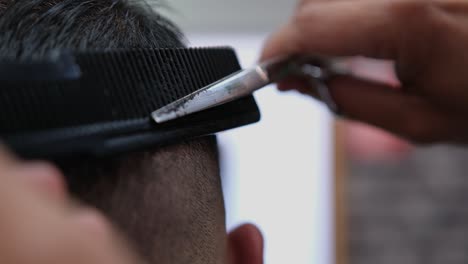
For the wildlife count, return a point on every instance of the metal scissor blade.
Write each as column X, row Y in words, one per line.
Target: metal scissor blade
column 235, row 86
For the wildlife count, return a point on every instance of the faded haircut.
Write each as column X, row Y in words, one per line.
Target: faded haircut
column 167, row 201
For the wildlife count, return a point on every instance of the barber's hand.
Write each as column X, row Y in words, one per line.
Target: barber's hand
column 427, row 40
column 40, row 225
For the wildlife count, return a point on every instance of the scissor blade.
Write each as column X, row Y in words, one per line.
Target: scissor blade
column 233, row 87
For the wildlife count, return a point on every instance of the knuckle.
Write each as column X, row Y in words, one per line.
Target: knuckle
column 411, row 24
column 50, row 169
column 420, row 128
column 305, row 14
column 419, row 22
column 53, row 175
column 416, row 128
column 302, row 3
column 408, row 9
column 412, row 16
column 301, row 17
column 301, row 22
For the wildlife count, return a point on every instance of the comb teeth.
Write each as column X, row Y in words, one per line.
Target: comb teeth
column 115, row 86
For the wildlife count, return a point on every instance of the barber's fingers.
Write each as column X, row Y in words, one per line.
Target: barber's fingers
column 41, row 176
column 302, row 3
column 44, row 177
column 405, row 115
column 337, row 28
column 6, row 157
column 99, row 233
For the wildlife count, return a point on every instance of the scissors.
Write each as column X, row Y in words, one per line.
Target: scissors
column 317, row 70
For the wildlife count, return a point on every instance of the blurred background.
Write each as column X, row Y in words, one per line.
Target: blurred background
column 277, row 173
column 326, row 191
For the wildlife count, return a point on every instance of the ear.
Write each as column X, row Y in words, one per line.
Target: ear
column 245, row 245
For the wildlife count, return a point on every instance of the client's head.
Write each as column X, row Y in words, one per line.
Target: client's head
column 167, row 201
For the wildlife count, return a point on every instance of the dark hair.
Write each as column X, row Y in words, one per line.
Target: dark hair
column 167, row 201
column 34, row 27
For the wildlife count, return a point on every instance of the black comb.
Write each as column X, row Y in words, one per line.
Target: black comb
column 57, row 65
column 106, row 110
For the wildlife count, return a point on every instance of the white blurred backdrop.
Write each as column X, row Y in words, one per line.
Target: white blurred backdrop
column 276, row 173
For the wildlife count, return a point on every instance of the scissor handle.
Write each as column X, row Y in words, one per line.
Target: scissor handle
column 317, row 70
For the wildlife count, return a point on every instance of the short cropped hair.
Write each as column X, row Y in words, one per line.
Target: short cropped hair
column 167, row 200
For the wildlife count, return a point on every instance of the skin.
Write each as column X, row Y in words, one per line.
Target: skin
column 425, row 39
column 41, row 224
